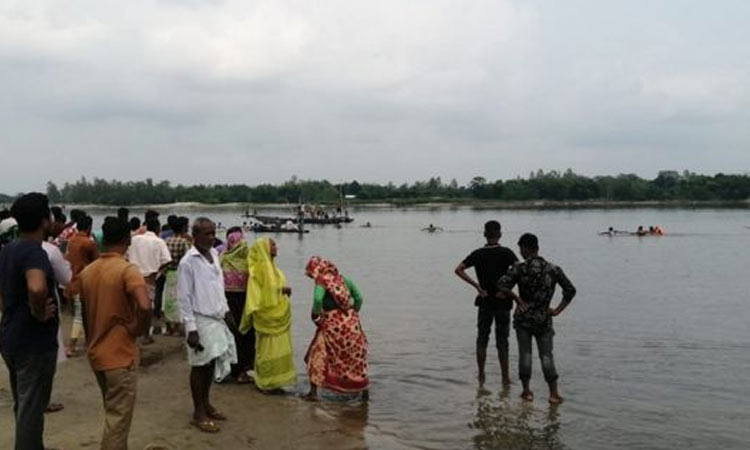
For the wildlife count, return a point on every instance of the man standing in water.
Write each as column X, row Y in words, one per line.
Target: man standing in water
column 536, row 280
column 204, row 310
column 490, row 262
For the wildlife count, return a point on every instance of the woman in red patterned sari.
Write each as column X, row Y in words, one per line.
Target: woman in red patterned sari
column 337, row 357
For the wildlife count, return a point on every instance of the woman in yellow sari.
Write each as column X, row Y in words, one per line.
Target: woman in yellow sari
column 268, row 310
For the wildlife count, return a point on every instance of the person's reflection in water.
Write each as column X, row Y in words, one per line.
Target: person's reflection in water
column 503, row 423
column 349, row 414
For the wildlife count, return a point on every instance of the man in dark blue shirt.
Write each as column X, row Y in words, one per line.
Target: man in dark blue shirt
column 490, row 262
column 28, row 329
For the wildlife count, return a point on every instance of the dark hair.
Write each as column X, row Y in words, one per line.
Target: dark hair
column 4, row 214
column 180, row 225
column 123, row 213
column 233, row 230
column 492, row 229
column 151, row 214
column 529, row 241
column 58, row 214
column 172, row 221
column 153, row 225
column 200, row 222
column 135, row 223
column 115, row 231
column 30, row 210
column 84, row 223
column 76, row 214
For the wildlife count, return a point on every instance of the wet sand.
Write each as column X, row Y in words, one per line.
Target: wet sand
column 163, row 411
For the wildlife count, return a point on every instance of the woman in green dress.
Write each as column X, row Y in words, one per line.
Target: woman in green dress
column 268, row 311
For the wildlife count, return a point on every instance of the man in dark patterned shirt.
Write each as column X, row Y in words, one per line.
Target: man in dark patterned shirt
column 536, row 280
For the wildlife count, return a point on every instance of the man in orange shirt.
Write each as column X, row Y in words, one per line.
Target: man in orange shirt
column 81, row 252
column 116, row 311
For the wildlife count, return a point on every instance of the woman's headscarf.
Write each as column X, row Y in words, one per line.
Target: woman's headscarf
column 235, row 256
column 266, row 308
column 326, row 274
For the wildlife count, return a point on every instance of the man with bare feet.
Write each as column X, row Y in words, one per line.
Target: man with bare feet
column 490, row 262
column 206, row 314
column 536, row 280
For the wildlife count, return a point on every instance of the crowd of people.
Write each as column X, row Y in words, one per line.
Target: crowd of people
column 132, row 280
column 230, row 302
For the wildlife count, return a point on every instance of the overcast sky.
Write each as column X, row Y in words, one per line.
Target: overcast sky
column 257, row 91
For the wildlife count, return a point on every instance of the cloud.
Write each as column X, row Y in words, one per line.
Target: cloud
column 379, row 91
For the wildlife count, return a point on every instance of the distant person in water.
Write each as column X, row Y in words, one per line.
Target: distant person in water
column 610, row 232
column 641, row 231
column 536, row 280
column 491, row 262
column 432, row 228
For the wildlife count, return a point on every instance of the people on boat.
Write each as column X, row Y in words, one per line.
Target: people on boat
column 337, row 356
column 268, row 311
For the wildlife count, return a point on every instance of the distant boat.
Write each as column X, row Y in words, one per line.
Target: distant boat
column 305, row 220
column 273, row 229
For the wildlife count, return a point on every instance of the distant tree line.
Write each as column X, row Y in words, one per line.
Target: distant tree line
column 540, row 185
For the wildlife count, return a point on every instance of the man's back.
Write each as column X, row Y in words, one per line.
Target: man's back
column 491, row 262
column 536, row 279
column 81, row 252
column 148, row 252
column 106, row 287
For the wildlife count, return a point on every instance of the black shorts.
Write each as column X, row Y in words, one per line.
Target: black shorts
column 485, row 317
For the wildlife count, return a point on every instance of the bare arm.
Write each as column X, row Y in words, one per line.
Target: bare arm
column 461, row 272
column 139, row 297
column 39, row 298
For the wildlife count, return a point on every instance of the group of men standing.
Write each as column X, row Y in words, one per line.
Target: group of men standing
column 498, row 272
column 113, row 287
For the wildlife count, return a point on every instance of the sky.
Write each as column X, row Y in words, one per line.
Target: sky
column 239, row 91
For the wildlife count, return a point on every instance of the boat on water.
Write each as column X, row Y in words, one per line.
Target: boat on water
column 305, row 220
column 258, row 228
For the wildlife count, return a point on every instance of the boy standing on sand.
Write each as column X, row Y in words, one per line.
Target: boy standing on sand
column 491, row 262
column 536, row 280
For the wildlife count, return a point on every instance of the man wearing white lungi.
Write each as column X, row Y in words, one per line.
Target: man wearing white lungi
column 204, row 310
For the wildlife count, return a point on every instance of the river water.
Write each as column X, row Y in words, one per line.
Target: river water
column 653, row 353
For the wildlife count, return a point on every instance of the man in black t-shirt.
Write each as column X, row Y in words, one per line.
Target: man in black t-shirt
column 490, row 262
column 28, row 329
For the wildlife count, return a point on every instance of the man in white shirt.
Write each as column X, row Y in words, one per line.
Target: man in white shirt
column 205, row 313
column 150, row 254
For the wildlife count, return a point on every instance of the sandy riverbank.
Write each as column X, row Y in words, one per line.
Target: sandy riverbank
column 163, row 409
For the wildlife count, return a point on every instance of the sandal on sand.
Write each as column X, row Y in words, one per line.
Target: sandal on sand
column 217, row 415
column 206, row 426
column 54, row 407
